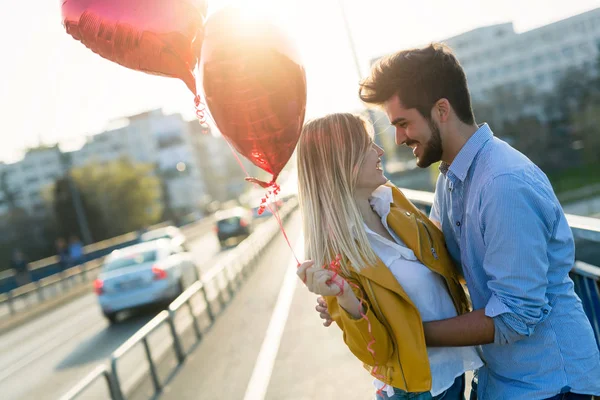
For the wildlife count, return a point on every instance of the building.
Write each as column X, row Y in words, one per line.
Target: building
column 163, row 141
column 224, row 177
column 23, row 183
column 496, row 58
column 496, row 55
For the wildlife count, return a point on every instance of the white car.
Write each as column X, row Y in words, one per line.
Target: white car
column 143, row 274
column 168, row 232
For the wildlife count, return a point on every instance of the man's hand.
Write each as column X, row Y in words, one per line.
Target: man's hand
column 323, row 312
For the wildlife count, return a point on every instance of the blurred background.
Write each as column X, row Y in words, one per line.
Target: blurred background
column 93, row 150
column 96, row 158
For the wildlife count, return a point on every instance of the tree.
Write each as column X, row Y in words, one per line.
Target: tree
column 125, row 195
column 65, row 214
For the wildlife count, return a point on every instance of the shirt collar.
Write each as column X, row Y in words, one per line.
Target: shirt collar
column 463, row 160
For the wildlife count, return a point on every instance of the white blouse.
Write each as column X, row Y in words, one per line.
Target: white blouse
column 429, row 294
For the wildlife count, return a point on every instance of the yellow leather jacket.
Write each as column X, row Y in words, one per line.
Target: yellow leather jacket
column 396, row 325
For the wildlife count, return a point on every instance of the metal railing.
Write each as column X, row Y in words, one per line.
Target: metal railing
column 64, row 283
column 232, row 270
column 236, row 267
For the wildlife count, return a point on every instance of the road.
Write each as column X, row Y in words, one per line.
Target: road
column 45, row 357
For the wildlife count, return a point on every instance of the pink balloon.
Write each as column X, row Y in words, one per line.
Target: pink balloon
column 255, row 88
column 159, row 37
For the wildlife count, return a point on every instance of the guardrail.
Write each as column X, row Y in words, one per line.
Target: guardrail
column 211, row 288
column 40, row 291
column 585, row 276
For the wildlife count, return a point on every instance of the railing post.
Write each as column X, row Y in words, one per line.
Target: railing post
column 153, row 373
column 112, row 388
column 11, row 306
column 209, row 310
column 117, row 391
column 221, row 293
column 194, row 320
column 83, row 272
column 176, row 342
column 40, row 291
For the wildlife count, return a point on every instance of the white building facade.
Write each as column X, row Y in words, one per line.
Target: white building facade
column 163, row 141
column 27, row 179
column 496, row 55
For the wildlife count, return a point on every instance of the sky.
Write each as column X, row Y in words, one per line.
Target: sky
column 54, row 90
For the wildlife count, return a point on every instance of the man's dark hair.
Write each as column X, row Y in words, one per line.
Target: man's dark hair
column 420, row 77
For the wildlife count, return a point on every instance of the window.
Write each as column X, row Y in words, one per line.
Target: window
column 567, row 51
column 131, row 260
column 579, row 27
column 540, row 79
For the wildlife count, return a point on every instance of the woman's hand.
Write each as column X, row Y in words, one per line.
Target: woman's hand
column 326, row 283
column 321, row 281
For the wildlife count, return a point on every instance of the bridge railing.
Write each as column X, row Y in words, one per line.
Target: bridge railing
column 234, row 269
column 46, row 289
column 204, row 299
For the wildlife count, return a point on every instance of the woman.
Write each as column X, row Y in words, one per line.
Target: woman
column 394, row 272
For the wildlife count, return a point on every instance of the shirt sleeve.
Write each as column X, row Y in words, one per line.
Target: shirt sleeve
column 517, row 218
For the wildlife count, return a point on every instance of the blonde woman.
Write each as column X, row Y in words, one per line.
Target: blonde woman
column 394, row 273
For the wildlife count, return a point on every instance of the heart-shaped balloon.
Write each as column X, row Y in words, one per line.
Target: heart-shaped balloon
column 255, row 87
column 160, row 37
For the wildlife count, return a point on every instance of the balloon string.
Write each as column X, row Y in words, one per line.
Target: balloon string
column 201, row 114
column 275, row 191
column 336, row 267
column 200, row 109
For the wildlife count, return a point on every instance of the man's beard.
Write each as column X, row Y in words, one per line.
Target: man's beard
column 432, row 150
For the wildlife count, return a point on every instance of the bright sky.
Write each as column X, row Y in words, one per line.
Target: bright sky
column 56, row 90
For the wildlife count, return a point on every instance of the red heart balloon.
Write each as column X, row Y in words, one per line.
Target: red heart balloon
column 160, row 37
column 255, row 87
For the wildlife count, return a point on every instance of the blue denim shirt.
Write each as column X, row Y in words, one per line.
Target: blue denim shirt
column 505, row 227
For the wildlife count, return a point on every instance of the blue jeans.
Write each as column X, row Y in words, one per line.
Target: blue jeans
column 560, row 396
column 454, row 392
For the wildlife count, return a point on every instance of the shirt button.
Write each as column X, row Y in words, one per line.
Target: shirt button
column 457, row 223
column 449, row 189
column 545, row 311
column 407, row 213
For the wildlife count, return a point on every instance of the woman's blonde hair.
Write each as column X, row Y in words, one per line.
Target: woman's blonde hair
column 331, row 150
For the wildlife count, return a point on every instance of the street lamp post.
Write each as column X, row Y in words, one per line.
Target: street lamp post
column 357, row 65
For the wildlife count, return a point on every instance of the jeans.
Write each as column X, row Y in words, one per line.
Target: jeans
column 571, row 396
column 454, row 392
column 560, row 396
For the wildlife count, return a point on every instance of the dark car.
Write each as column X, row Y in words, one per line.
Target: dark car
column 235, row 223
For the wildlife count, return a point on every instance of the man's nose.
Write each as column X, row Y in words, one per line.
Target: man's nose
column 400, row 136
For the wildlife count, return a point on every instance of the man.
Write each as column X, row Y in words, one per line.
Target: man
column 503, row 225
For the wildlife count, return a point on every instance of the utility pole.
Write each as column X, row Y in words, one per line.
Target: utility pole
column 357, row 65
column 77, row 203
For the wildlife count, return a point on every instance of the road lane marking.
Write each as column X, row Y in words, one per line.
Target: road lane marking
column 261, row 375
column 42, row 351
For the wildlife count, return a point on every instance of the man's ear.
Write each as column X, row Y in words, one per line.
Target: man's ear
column 441, row 110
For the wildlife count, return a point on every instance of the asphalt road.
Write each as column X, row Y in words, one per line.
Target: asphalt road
column 45, row 357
